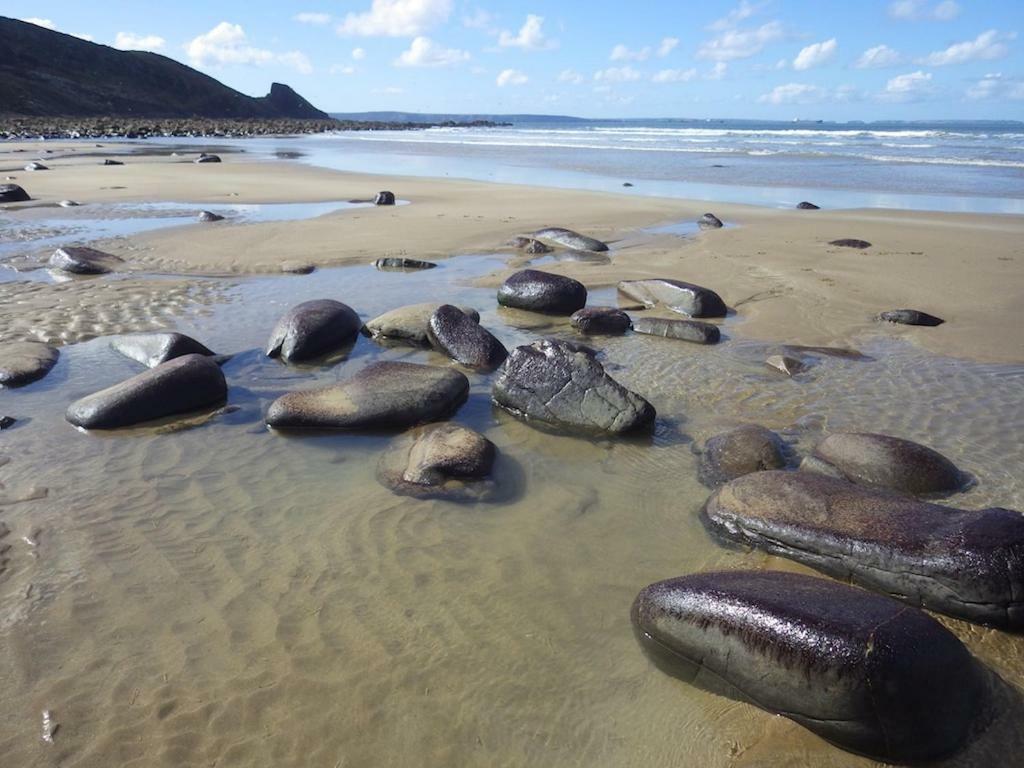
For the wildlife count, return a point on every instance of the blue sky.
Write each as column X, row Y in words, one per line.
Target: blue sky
column 784, row 59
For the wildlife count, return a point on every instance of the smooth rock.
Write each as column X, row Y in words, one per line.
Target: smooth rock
column 603, row 320
column 205, row 158
column 682, row 330
column 787, row 364
column 805, row 206
column 964, row 563
column 740, row 451
column 209, row 216
column 529, row 245
column 313, row 329
column 297, row 267
column 34, row 166
column 537, row 291
column 80, row 260
column 152, row 349
column 409, row 323
column 22, row 362
column 709, row 221
column 569, row 239
column 849, row 242
column 463, row 339
column 886, row 462
column 178, row 386
column 910, row 317
column 402, row 263
column 12, row 193
column 687, row 298
column 385, row 395
column 444, row 461
column 384, row 198
column 569, row 390
column 862, row 671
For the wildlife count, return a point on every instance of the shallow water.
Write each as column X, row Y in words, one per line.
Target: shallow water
column 227, row 595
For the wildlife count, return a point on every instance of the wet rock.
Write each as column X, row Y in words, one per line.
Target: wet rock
column 548, row 382
column 885, row 461
column 740, row 451
column 108, row 161
column 964, row 563
column 709, row 221
column 439, row 461
column 910, row 317
column 409, row 324
column 34, row 166
column 569, row 239
column 205, row 158
column 860, row 670
column 6, row 422
column 804, row 352
column 604, row 320
column 537, row 291
column 297, row 267
column 463, row 339
column 313, row 329
column 152, row 349
column 80, row 260
column 178, row 386
column 849, row 242
column 805, row 206
column 68, row 204
column 402, row 263
column 787, row 364
column 12, row 193
column 682, row 330
column 385, row 395
column 687, row 298
column 209, row 216
column 529, row 245
column 22, row 362
column 384, row 198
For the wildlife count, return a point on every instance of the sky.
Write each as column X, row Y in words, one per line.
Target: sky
column 759, row 59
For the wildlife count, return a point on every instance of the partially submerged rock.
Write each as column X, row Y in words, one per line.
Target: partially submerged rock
column 805, row 206
column 22, row 362
column 709, row 221
column 740, row 451
column 385, row 395
column 568, row 390
column 444, row 461
column 178, row 386
column 687, row 298
column 463, row 339
column 403, row 263
column 409, row 323
column 849, row 242
column 964, row 563
column 210, row 216
column 910, row 317
column 12, row 193
column 604, row 320
column 152, row 349
column 80, row 260
column 786, row 364
column 682, row 330
column 570, row 239
column 860, row 670
column 537, row 291
column 384, row 198
column 313, row 329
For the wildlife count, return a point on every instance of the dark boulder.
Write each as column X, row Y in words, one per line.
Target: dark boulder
column 22, row 362
column 463, row 339
column 709, row 221
column 862, row 671
column 740, row 451
column 384, row 198
column 80, row 260
column 849, row 242
column 313, row 329
column 152, row 349
column 682, row 330
column 403, row 264
column 604, row 320
column 550, row 383
column 206, row 158
column 687, row 298
column 910, row 317
column 964, row 563
column 6, row 422
column 439, row 461
column 385, row 395
column 182, row 385
column 805, row 206
column 12, row 193
column 537, row 291
column 569, row 239
column 209, row 216
column 409, row 323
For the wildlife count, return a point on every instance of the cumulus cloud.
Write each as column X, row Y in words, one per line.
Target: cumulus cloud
column 674, row 75
column 668, row 44
column 735, row 44
column 318, row 19
column 621, row 53
column 47, row 23
column 511, row 77
column 794, row 93
column 530, row 36
column 995, row 86
column 718, row 71
column 129, row 41
column 396, row 18
column 480, row 19
column 617, row 75
column 742, row 12
column 227, row 44
column 815, row 55
column 424, row 52
column 909, row 87
column 987, row 45
column 570, row 76
column 879, row 57
column 918, row 10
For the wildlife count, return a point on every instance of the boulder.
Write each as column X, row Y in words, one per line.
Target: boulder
column 569, row 239
column 385, row 395
column 313, row 329
column 209, row 216
column 964, row 563
column 740, row 451
column 402, row 263
column 910, row 317
column 463, row 339
column 205, row 158
column 12, row 193
column 529, row 245
column 860, row 670
column 537, row 291
column 568, row 390
column 786, row 364
column 384, row 198
column 408, row 324
column 683, row 330
column 22, row 362
column 805, row 206
column 709, row 221
column 604, row 320
column 80, row 260
column 178, row 386
column 687, row 298
column 887, row 462
column 442, row 461
column 849, row 242
column 152, row 349
column 34, row 166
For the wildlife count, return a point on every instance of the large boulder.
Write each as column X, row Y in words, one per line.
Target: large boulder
column 604, row 320
column 152, row 349
column 385, row 395
column 313, row 329
column 12, row 193
column 444, row 461
column 965, row 563
column 687, row 298
column 910, row 317
column 537, row 291
column 22, row 362
column 888, row 462
column 178, row 386
column 863, row 671
column 569, row 239
column 463, row 339
column 682, row 330
column 409, row 323
column 568, row 390
column 80, row 260
column 740, row 451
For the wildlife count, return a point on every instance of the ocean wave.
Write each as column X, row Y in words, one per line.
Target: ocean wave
column 947, row 161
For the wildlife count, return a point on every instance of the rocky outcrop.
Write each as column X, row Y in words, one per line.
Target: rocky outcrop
column 313, row 329
column 681, row 330
column 687, row 298
column 910, row 317
column 601, row 320
column 439, row 461
column 408, row 324
column 12, row 193
column 152, row 349
column 537, row 291
column 461, row 337
column 22, row 362
column 79, row 260
column 569, row 239
column 740, row 451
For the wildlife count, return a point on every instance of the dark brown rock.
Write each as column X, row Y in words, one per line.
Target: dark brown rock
column 463, row 339
column 537, row 291
column 740, row 451
column 444, row 461
column 313, row 329
column 600, row 320
column 80, row 260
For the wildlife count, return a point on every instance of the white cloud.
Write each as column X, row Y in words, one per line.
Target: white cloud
column 129, row 41
column 87, row 38
column 480, row 19
column 570, row 76
column 668, row 44
column 424, row 52
column 740, row 43
column 622, row 53
column 511, row 77
column 908, row 87
column 995, row 86
column 674, row 75
column 390, row 90
column 318, row 19
column 879, row 57
column 227, row 44
column 617, row 75
column 815, row 55
column 530, row 36
column 396, row 18
column 742, row 12
column 794, row 93
column 987, row 45
column 917, row 10
column 946, row 11
column 342, row 69
column 358, row 54
column 47, row 23
column 718, row 71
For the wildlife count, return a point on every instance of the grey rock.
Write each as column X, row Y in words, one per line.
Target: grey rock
column 805, row 206
column 384, row 198
column 205, row 158
column 210, row 216
column 439, row 461
column 529, row 245
column 297, row 267
column 537, row 291
column 709, row 221
column 910, row 317
column 740, row 451
column 569, row 239
column 152, row 349
column 12, row 193
column 80, row 260
column 682, row 330
column 22, row 362
column 603, row 320
column 687, row 298
column 6, row 422
column 849, row 242
column 313, row 329
column 787, row 364
column 463, row 339
column 403, row 264
column 409, row 323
